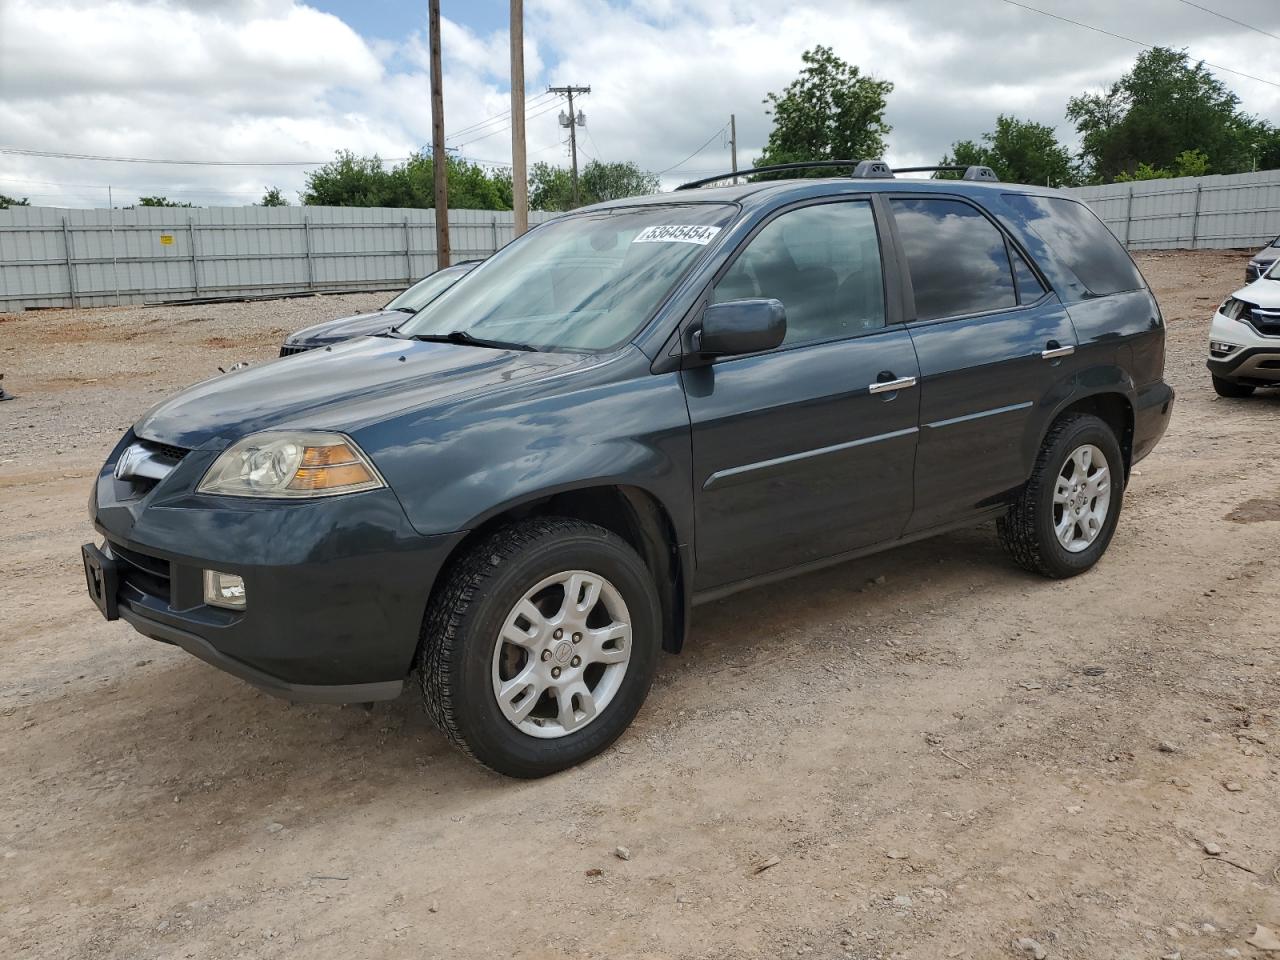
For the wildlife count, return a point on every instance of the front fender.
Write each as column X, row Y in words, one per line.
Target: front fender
column 454, row 470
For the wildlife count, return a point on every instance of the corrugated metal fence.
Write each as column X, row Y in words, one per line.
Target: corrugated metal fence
column 1237, row 210
column 58, row 258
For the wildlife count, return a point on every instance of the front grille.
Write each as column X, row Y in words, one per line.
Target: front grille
column 144, row 463
column 289, row 351
column 168, row 451
column 145, row 574
column 1265, row 320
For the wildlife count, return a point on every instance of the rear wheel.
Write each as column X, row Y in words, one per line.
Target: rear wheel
column 539, row 649
column 1064, row 519
column 1229, row 388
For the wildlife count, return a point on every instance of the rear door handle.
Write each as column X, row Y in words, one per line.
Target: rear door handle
column 1053, row 351
column 891, row 386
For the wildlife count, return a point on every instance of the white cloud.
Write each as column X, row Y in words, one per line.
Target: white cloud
column 278, row 79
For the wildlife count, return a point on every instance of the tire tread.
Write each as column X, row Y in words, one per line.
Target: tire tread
column 441, row 640
column 1017, row 528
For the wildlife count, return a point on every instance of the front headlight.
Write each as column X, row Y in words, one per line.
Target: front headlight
column 1232, row 308
column 291, row 464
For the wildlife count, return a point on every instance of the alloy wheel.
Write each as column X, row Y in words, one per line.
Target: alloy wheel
column 1081, row 498
column 561, row 654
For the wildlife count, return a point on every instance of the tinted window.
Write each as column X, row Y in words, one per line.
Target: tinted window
column 586, row 281
column 823, row 263
column 1030, row 289
column 957, row 258
column 1081, row 241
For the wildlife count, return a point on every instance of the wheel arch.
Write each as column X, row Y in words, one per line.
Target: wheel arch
column 635, row 514
column 1112, row 406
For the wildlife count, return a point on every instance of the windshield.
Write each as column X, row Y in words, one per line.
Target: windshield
column 427, row 289
column 584, row 282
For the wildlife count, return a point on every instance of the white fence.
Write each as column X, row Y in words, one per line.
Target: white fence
column 51, row 257
column 58, row 258
column 1237, row 210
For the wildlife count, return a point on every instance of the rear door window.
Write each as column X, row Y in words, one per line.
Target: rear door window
column 1080, row 241
column 958, row 261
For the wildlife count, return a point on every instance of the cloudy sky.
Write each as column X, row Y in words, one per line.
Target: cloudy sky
column 287, row 80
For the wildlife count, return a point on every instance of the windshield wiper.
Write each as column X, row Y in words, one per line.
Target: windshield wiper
column 408, row 310
column 466, row 339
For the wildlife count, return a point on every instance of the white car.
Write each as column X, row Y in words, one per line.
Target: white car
column 1244, row 340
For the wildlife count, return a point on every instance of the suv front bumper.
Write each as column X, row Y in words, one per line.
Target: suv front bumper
column 336, row 588
column 1254, row 359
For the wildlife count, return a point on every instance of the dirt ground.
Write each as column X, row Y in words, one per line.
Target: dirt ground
column 937, row 764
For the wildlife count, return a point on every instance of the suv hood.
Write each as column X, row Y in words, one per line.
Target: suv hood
column 1263, row 292
column 344, row 328
column 343, row 388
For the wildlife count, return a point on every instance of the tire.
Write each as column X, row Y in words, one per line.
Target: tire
column 1229, row 388
column 466, row 655
column 1029, row 532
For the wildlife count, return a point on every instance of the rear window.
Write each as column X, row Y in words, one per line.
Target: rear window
column 1080, row 241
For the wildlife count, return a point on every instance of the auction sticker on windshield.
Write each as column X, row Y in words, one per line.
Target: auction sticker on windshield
column 677, row 234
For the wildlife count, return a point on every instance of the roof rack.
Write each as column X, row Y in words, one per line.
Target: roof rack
column 862, row 170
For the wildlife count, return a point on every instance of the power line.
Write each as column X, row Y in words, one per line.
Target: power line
column 694, row 154
column 593, row 145
column 1140, row 43
column 1239, row 23
column 504, row 116
column 53, row 154
column 507, row 126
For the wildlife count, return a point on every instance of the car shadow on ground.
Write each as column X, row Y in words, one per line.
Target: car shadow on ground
column 188, row 723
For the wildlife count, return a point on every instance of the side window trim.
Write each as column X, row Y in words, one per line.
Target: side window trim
column 889, row 268
column 908, row 295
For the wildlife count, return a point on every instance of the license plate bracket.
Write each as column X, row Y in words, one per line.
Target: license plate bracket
column 103, row 580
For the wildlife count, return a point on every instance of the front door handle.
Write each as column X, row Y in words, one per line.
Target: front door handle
column 1056, row 351
column 891, row 386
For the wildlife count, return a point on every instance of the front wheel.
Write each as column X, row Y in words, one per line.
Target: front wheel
column 1229, row 388
column 1064, row 519
column 539, row 649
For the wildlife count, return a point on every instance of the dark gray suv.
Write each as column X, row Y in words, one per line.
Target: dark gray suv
column 518, row 497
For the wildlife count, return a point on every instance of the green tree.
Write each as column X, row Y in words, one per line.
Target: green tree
column 551, row 187
column 348, row 181
column 1019, row 151
column 7, row 201
column 615, row 181
column 273, row 198
column 1163, row 107
column 161, row 202
column 831, row 111
column 1144, row 171
column 1189, row 163
column 353, row 181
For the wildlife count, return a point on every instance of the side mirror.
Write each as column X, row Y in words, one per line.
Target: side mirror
column 740, row 326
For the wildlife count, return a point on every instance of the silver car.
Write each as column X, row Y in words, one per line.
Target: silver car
column 1262, row 261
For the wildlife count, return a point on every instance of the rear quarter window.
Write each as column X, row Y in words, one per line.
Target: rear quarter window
column 1080, row 241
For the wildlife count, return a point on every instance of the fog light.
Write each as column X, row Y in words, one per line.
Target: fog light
column 223, row 590
column 1221, row 349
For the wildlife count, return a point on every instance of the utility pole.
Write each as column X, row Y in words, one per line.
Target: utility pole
column 439, row 163
column 733, row 144
column 573, row 125
column 519, row 171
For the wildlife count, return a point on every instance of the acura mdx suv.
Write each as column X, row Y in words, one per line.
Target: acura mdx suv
column 517, row 497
